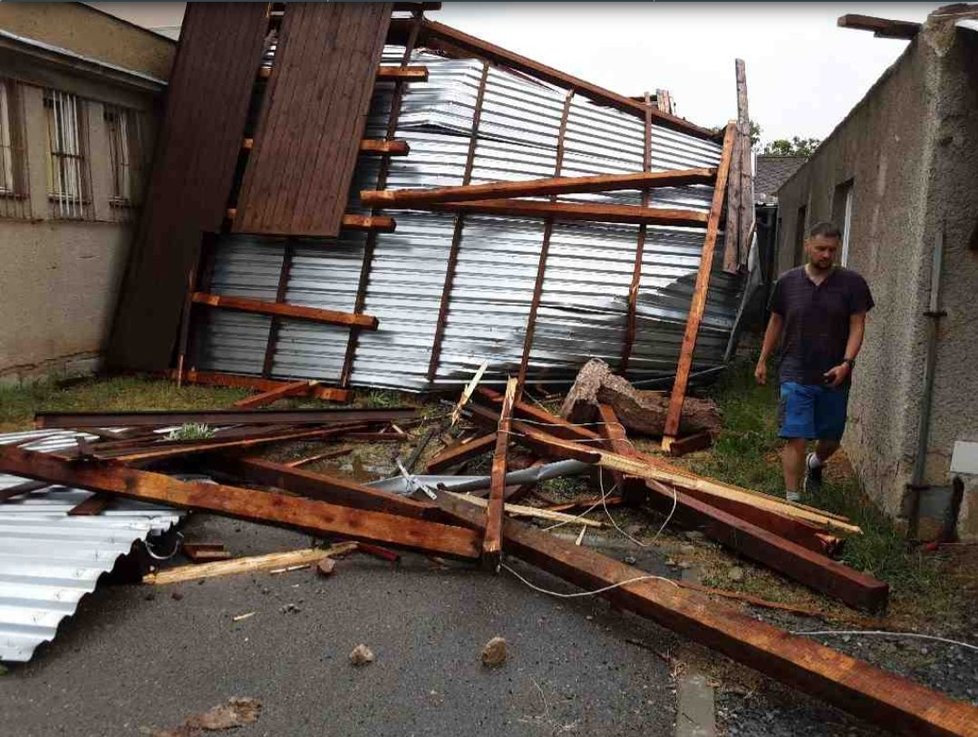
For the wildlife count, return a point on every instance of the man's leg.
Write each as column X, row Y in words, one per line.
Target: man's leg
column 796, row 418
column 830, row 423
column 793, row 463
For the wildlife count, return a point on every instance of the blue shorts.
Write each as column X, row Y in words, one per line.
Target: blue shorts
column 811, row 411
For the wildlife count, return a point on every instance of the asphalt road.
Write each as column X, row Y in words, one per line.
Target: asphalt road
column 134, row 658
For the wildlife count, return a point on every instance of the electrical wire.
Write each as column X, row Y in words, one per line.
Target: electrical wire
column 883, row 633
column 578, row 594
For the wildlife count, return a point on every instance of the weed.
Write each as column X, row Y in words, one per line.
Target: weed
column 191, row 431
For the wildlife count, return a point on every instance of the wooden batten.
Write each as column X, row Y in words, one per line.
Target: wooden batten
column 281, row 309
column 382, row 147
column 403, row 74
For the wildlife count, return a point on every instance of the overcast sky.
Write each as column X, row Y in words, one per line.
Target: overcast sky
column 803, row 72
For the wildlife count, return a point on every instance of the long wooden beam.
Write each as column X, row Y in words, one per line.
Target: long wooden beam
column 850, row 684
column 453, row 42
column 492, row 548
column 631, row 488
column 234, row 381
column 350, row 221
column 390, row 198
column 604, row 213
column 700, row 290
column 281, row 309
column 296, row 388
column 166, row 418
column 881, row 27
column 257, row 506
column 459, row 452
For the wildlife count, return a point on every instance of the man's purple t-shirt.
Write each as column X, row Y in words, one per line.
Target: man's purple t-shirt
column 816, row 320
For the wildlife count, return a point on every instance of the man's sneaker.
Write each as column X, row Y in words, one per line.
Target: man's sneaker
column 813, row 474
column 792, row 496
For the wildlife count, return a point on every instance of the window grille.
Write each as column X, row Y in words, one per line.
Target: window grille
column 14, row 200
column 68, row 182
column 124, row 128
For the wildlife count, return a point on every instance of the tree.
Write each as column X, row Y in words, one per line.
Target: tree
column 795, row 147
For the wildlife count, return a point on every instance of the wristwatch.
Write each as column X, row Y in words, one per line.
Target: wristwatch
column 850, row 361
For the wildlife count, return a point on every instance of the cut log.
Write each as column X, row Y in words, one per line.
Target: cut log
column 639, row 411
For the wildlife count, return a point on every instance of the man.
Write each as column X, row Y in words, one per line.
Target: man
column 819, row 312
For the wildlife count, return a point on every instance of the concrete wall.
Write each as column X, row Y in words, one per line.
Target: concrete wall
column 92, row 33
column 905, row 148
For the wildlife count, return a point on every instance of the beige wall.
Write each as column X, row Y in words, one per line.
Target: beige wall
column 88, row 32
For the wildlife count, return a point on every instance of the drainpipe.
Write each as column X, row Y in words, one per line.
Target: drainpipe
column 934, row 313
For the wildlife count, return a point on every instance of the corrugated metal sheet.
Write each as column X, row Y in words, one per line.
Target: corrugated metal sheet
column 589, row 269
column 198, row 147
column 48, row 560
column 310, row 126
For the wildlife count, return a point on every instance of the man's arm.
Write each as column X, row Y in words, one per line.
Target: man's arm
column 857, row 328
column 771, row 337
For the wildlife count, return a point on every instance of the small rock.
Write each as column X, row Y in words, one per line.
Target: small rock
column 694, row 536
column 494, row 653
column 325, row 566
column 176, row 596
column 361, row 655
column 150, row 596
column 265, row 590
column 736, row 574
column 629, row 560
column 290, row 608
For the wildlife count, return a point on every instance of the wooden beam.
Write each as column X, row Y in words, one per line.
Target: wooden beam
column 255, row 506
column 604, row 213
column 95, row 504
column 381, row 147
column 850, row 684
column 551, row 186
column 234, row 381
column 460, row 452
column 417, row 7
column 691, row 444
column 369, row 223
column 556, row 425
column 519, row 510
column 296, row 388
column 881, row 27
column 492, row 547
column 281, row 292
column 631, row 488
column 223, row 417
column 700, row 289
column 402, row 74
column 453, row 42
column 323, row 487
column 281, row 309
column 250, row 564
column 23, row 488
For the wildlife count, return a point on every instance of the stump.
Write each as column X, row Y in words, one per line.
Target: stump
column 640, row 411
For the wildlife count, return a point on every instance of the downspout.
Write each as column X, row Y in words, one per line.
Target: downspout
column 934, row 313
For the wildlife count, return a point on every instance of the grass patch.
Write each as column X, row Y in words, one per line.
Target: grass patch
column 747, row 454
column 118, row 394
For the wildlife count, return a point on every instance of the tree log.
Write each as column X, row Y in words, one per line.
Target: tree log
column 640, row 411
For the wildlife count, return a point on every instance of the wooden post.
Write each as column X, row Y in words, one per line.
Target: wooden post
column 702, row 286
column 492, row 542
column 739, row 225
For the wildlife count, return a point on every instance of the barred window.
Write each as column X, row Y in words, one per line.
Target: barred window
column 68, row 177
column 13, row 174
column 126, row 153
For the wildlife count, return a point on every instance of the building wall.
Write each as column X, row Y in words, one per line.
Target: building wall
column 903, row 148
column 90, row 32
column 60, row 275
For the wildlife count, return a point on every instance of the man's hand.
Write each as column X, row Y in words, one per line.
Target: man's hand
column 760, row 372
column 835, row 376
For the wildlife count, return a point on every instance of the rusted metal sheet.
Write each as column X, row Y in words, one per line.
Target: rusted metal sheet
column 221, row 46
column 298, row 176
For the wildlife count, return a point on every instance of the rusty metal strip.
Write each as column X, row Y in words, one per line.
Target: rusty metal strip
column 626, row 350
column 457, row 234
column 531, row 318
column 385, row 164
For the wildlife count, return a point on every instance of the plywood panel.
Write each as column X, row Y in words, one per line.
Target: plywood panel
column 309, row 130
column 207, row 100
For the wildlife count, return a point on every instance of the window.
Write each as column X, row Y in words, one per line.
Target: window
column 13, row 182
column 126, row 154
column 68, row 183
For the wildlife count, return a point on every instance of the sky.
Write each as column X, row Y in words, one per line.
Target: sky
column 804, row 73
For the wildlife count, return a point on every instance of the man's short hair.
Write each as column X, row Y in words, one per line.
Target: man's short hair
column 825, row 229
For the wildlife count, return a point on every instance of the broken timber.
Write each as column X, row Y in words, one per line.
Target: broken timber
column 213, row 378
column 166, row 418
column 850, row 684
column 460, row 452
column 256, row 506
column 492, row 542
column 297, row 388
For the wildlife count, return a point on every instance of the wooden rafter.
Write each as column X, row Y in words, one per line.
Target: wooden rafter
column 700, row 289
column 296, row 388
column 556, row 185
column 492, row 541
column 214, row 378
column 460, row 452
column 604, row 213
column 380, row 147
column 881, row 27
column 281, row 309
column 402, row 74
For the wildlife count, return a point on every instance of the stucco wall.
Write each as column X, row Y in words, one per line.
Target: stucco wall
column 910, row 149
column 92, row 33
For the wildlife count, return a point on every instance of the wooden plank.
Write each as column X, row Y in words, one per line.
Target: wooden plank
column 402, row 74
column 256, row 506
column 309, row 130
column 94, row 505
column 631, row 488
column 369, row 223
column 492, row 548
column 323, row 487
column 452, row 264
column 196, row 151
column 551, row 186
column 319, row 457
column 691, row 444
column 520, row 510
column 453, row 42
column 297, row 388
column 700, row 289
column 602, row 212
column 881, row 27
column 250, row 564
column 460, row 452
column 381, row 147
column 281, row 309
column 234, row 381
column 205, row 552
column 739, row 225
column 555, row 425
column 23, row 488
column 850, row 684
